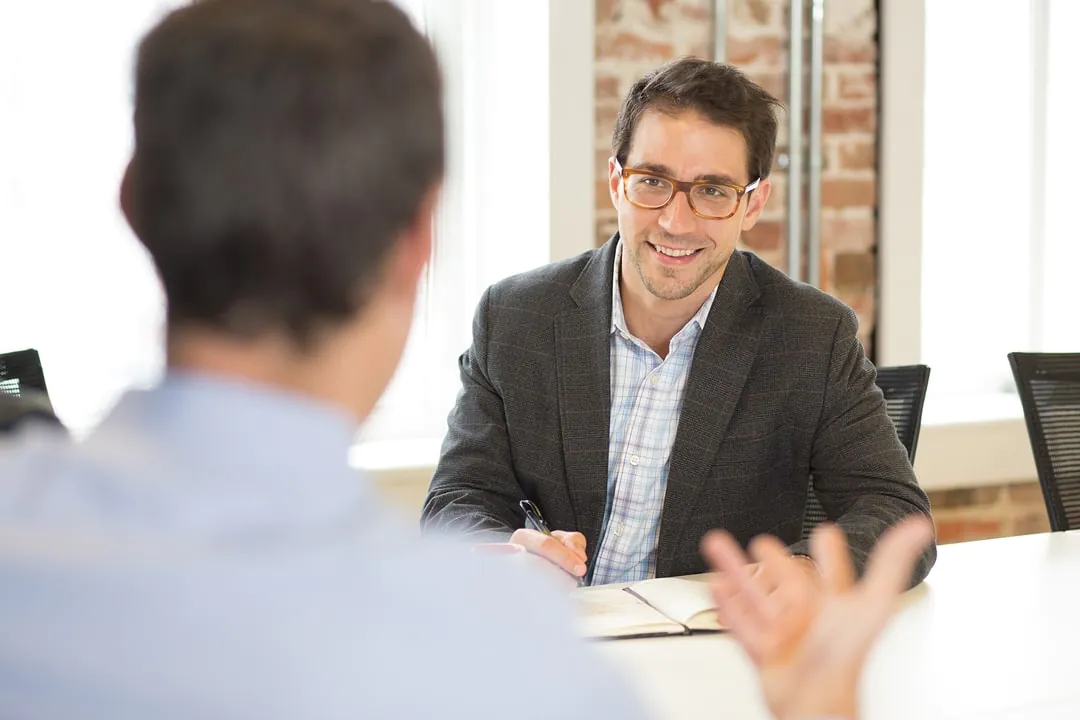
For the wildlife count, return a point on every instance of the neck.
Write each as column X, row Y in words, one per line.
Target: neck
column 272, row 360
column 655, row 321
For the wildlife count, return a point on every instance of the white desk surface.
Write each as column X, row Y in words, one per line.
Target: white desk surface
column 993, row 633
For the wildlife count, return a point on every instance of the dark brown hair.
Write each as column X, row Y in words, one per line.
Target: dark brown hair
column 281, row 148
column 719, row 92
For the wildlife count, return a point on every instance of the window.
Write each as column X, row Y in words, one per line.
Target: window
column 976, row 246
column 998, row 247
column 79, row 287
column 489, row 76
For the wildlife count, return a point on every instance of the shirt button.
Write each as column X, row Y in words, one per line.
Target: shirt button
column 654, row 379
column 634, row 459
column 618, row 529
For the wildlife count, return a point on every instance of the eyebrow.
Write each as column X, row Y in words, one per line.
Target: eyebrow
column 709, row 178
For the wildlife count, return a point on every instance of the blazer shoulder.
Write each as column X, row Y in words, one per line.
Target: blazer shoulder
column 545, row 289
column 794, row 299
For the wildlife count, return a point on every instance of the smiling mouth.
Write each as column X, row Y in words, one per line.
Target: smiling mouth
column 675, row 252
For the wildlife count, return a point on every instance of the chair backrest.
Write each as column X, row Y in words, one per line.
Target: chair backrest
column 1049, row 387
column 904, row 388
column 23, row 395
column 21, row 370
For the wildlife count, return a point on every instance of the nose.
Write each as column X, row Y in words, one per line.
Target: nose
column 676, row 217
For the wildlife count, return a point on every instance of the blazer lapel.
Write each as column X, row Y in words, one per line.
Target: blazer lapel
column 724, row 356
column 583, row 367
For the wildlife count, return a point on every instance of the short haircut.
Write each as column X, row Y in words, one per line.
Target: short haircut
column 281, row 148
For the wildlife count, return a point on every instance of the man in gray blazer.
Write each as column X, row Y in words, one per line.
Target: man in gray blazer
column 666, row 383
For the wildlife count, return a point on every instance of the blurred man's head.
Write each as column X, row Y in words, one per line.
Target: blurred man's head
column 287, row 158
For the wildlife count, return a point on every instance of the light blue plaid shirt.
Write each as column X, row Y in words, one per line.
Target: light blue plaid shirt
column 646, row 401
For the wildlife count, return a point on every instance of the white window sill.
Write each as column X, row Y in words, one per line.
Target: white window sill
column 397, row 462
column 965, row 442
column 973, row 440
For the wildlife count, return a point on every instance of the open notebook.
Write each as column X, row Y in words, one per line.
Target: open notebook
column 663, row 606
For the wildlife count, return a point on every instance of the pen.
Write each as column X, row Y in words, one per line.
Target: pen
column 533, row 516
column 536, row 519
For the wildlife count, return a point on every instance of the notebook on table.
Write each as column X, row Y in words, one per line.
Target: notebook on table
column 662, row 606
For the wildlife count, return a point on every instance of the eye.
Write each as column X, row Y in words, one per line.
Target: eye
column 716, row 191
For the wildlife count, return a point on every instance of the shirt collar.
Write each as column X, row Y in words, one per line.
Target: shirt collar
column 618, row 318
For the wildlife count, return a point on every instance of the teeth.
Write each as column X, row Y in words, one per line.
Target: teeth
column 671, row 252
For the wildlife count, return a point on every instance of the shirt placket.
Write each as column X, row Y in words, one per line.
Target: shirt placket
column 622, row 543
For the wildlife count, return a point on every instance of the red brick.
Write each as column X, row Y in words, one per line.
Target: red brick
column 755, row 51
column 657, row 7
column 774, row 83
column 603, row 152
column 848, row 50
column 765, row 235
column 630, row 46
column 847, row 234
column 1032, row 522
column 605, row 228
column 776, row 258
column 606, row 113
column 960, row 530
column 701, row 13
column 1026, row 494
column 826, row 263
column 608, row 11
column 603, row 194
column 854, row 272
column 849, row 193
column 755, row 14
column 858, row 154
column 857, row 85
column 966, row 497
column 843, row 120
column 776, row 206
column 608, row 89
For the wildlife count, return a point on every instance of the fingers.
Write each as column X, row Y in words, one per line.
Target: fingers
column 738, row 596
column 787, row 583
column 573, row 540
column 889, row 568
column 828, row 546
column 550, row 548
column 724, row 555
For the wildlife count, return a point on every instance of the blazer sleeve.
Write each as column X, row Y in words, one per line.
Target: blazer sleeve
column 862, row 473
column 474, row 492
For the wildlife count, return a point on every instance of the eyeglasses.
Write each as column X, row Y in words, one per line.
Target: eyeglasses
column 707, row 200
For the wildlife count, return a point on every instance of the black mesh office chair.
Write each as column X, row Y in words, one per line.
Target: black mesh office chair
column 1049, row 386
column 904, row 388
column 23, row 394
column 20, row 370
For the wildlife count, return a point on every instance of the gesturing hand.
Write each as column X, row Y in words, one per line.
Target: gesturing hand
column 809, row 643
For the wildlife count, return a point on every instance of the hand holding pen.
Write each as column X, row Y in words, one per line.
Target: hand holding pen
column 565, row 549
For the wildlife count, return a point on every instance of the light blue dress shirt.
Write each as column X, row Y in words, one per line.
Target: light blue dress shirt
column 646, row 403
column 207, row 553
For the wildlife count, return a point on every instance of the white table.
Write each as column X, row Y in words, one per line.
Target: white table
column 994, row 634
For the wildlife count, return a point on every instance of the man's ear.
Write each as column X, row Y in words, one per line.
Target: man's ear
column 755, row 203
column 614, row 182
column 416, row 243
column 127, row 200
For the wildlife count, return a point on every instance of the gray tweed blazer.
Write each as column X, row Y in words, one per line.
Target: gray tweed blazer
column 779, row 388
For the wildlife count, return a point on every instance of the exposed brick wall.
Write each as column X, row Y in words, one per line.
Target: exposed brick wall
column 989, row 512
column 635, row 36
column 632, row 38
